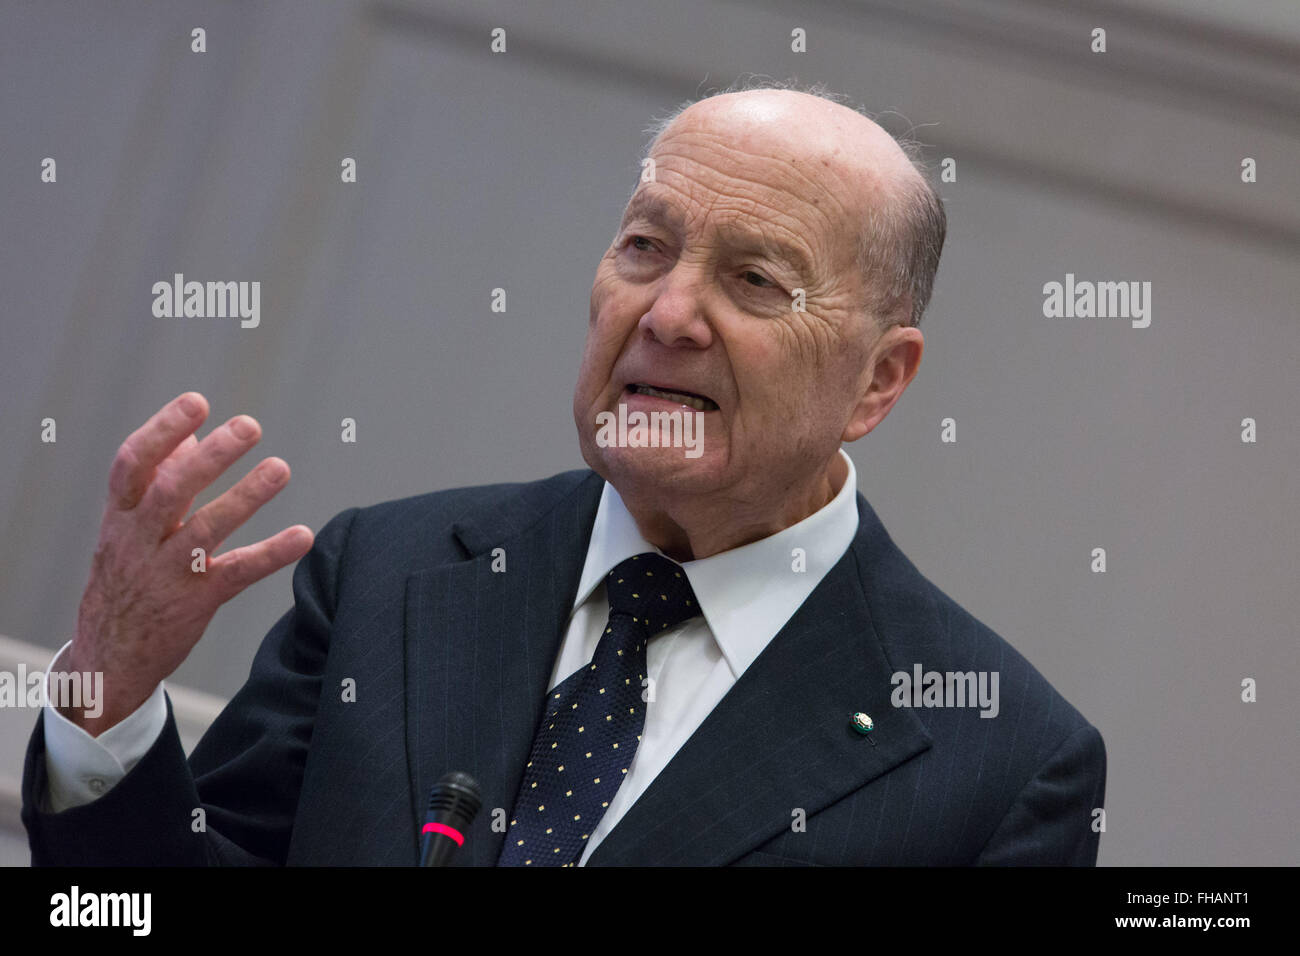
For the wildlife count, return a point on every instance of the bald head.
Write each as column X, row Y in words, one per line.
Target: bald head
column 852, row 163
column 802, row 127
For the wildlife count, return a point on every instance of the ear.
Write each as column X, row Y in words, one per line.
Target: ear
column 894, row 362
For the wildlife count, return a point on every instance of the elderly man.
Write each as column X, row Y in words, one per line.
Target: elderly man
column 707, row 658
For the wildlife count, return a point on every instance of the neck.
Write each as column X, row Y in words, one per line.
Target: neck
column 693, row 529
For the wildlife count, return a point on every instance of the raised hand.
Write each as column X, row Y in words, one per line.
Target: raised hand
column 144, row 607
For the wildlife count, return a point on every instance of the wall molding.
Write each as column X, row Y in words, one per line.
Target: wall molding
column 1156, row 126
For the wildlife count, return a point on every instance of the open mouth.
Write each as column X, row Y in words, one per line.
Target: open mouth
column 701, row 403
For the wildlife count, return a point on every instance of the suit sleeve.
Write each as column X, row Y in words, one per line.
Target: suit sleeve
column 244, row 775
column 1051, row 822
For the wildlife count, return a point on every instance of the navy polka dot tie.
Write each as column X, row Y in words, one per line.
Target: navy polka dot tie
column 593, row 719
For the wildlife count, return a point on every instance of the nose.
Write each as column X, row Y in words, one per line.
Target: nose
column 676, row 318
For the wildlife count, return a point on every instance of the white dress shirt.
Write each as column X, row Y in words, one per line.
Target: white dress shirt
column 746, row 595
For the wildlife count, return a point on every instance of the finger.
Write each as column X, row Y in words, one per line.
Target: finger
column 237, row 569
column 184, row 448
column 213, row 523
column 145, row 448
column 178, row 481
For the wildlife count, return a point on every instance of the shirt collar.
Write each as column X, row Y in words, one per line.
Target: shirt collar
column 748, row 593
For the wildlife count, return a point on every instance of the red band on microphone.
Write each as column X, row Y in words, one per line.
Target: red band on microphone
column 445, row 831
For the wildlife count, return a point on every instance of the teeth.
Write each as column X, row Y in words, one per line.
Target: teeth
column 699, row 404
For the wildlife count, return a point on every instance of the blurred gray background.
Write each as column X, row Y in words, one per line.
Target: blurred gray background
column 479, row 170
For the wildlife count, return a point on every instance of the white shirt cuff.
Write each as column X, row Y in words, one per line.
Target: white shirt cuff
column 80, row 768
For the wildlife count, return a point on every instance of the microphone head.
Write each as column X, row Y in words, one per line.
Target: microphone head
column 456, row 791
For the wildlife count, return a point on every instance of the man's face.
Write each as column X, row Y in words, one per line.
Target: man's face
column 695, row 296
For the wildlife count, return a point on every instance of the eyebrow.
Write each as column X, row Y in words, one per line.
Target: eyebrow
column 655, row 209
column 652, row 209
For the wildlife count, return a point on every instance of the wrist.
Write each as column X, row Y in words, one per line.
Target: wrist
column 77, row 688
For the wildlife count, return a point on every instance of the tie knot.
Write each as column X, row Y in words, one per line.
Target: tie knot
column 652, row 589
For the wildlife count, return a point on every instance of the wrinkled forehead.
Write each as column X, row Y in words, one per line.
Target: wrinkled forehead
column 814, row 171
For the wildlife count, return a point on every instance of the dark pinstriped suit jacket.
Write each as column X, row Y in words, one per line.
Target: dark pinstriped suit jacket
column 451, row 663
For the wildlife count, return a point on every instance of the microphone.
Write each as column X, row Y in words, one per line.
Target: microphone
column 453, row 803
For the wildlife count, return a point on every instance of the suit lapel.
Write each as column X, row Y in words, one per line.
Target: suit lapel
column 480, row 645
column 780, row 739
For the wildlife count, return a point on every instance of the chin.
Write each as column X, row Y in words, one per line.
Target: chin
column 653, row 471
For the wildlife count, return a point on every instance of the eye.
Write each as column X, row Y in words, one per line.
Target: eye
column 758, row 279
column 636, row 243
